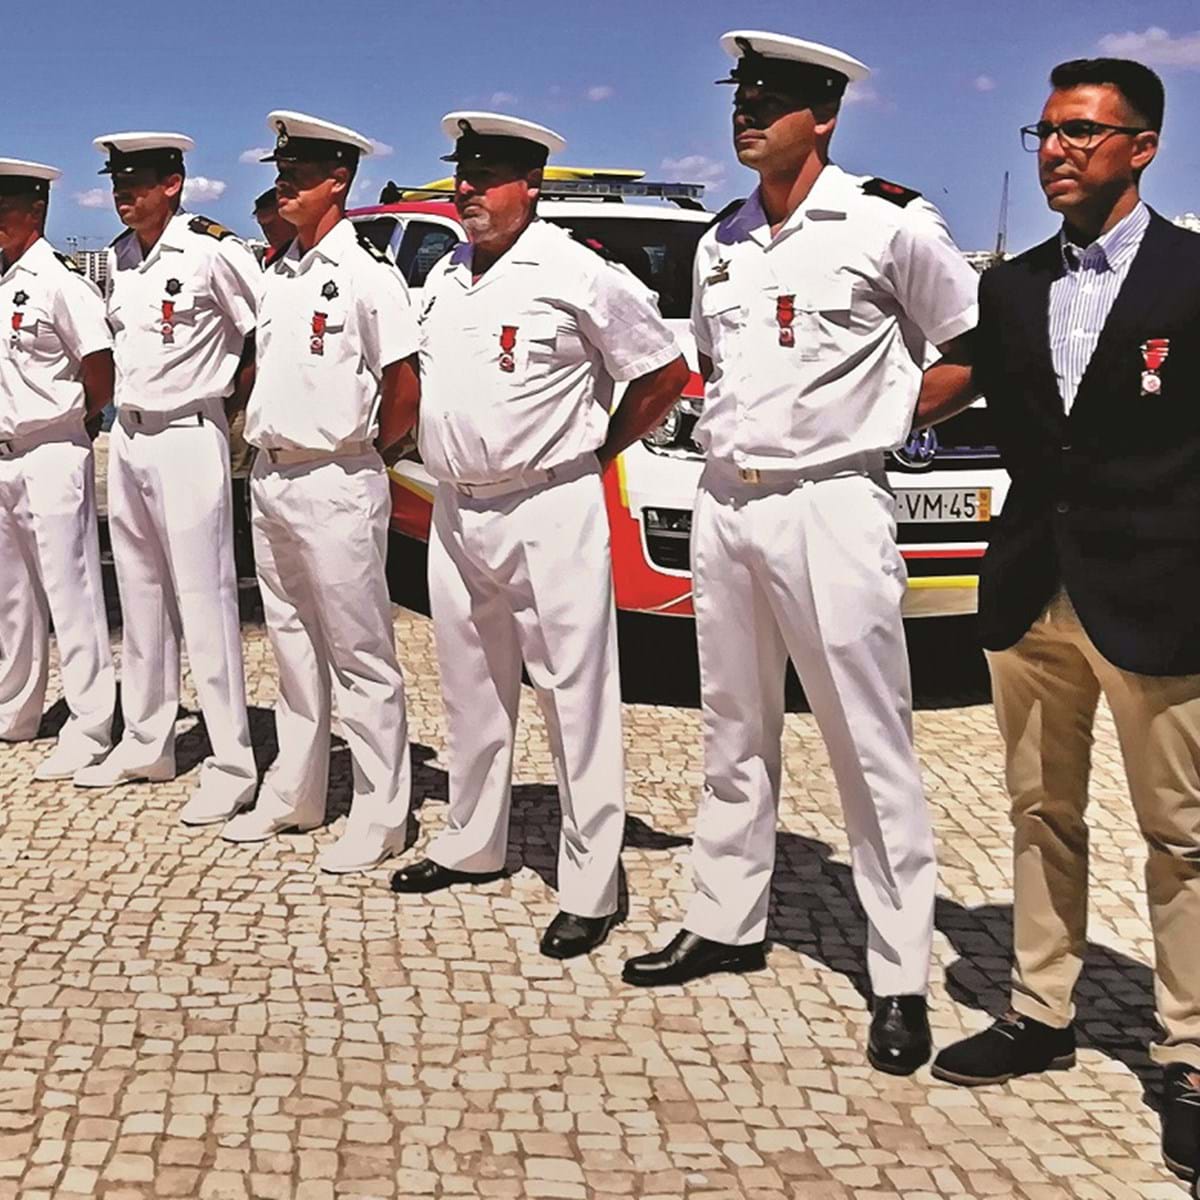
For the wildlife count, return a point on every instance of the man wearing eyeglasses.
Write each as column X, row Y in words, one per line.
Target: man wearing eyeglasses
column 1088, row 352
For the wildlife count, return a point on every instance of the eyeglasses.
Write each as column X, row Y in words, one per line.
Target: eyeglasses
column 1078, row 134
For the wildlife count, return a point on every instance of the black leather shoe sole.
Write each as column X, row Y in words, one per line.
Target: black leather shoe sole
column 1064, row 1062
column 740, row 961
column 899, row 1067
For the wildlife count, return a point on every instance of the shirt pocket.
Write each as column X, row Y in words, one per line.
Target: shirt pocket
column 823, row 308
column 35, row 336
column 723, row 315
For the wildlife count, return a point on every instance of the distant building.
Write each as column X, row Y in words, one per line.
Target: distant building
column 1189, row 221
column 982, row 259
column 94, row 264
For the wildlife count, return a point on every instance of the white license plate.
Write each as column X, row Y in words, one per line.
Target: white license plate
column 934, row 506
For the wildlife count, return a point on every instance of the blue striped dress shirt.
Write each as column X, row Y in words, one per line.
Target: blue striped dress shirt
column 1082, row 296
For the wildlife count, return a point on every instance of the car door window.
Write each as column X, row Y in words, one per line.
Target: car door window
column 423, row 244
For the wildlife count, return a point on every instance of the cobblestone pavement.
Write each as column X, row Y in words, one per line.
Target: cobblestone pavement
column 182, row 1017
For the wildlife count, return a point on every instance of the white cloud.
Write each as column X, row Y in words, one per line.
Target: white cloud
column 197, row 189
column 500, row 99
column 601, row 91
column 381, row 149
column 363, row 191
column 255, row 154
column 1155, row 47
column 984, row 83
column 860, row 93
column 93, row 198
column 694, row 168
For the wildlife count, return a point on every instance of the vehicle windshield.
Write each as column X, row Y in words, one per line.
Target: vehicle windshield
column 659, row 253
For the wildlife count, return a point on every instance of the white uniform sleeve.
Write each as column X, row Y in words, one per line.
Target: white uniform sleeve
column 79, row 317
column 935, row 285
column 620, row 318
column 236, row 282
column 389, row 320
column 699, row 325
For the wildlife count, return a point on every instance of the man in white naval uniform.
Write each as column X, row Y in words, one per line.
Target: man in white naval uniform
column 56, row 372
column 336, row 378
column 181, row 298
column 524, row 331
column 813, row 307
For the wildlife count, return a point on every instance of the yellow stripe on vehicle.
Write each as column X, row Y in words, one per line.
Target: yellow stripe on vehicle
column 945, row 581
column 413, row 487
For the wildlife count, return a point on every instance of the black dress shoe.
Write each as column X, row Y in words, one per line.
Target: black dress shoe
column 428, row 876
column 900, row 1041
column 1012, row 1046
column 1181, row 1121
column 689, row 956
column 569, row 936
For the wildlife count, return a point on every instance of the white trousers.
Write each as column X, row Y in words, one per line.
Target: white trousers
column 170, row 520
column 528, row 575
column 808, row 569
column 320, row 546
column 50, row 570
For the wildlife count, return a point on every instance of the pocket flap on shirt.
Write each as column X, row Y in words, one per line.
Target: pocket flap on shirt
column 541, row 327
column 829, row 294
column 714, row 303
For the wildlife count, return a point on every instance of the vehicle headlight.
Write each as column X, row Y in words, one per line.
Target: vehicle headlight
column 667, row 430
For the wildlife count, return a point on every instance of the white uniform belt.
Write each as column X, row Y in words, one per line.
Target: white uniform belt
column 526, row 480
column 292, row 457
column 859, row 464
column 14, row 447
column 141, row 420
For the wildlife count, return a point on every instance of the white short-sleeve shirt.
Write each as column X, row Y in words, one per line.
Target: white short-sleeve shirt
column 180, row 314
column 517, row 369
column 331, row 319
column 818, row 335
column 53, row 318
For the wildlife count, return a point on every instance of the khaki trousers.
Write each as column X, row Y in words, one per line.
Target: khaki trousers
column 1046, row 689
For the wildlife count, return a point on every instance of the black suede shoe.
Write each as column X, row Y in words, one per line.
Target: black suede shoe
column 428, row 876
column 689, row 956
column 568, row 936
column 900, row 1041
column 1181, row 1120
column 1012, row 1046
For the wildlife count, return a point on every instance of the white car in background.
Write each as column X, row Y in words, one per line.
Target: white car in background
column 948, row 482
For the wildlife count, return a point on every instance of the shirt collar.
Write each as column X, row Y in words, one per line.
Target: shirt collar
column 174, row 235
column 826, row 198
column 32, row 261
column 332, row 248
column 530, row 249
column 1111, row 250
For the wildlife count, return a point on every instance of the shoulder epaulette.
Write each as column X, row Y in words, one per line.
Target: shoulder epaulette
column 895, row 193
column 209, row 228
column 119, row 238
column 68, row 262
column 728, row 211
column 594, row 245
column 372, row 249
column 273, row 256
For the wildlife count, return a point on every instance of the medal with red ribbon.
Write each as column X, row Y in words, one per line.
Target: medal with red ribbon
column 168, row 322
column 785, row 314
column 1154, row 354
column 316, row 343
column 508, row 343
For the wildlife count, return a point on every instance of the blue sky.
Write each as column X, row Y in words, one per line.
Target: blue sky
column 627, row 82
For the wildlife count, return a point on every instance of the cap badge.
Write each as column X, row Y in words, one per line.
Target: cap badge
column 508, row 343
column 282, row 139
column 174, row 287
column 330, row 291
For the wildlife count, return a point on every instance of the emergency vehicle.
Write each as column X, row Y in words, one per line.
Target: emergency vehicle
column 948, row 482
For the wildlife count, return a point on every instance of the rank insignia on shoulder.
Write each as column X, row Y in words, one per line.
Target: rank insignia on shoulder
column 119, row 238
column 732, row 207
column 209, row 228
column 896, row 193
column 68, row 262
column 373, row 250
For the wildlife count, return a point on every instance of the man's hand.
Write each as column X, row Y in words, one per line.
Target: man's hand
column 243, row 379
column 946, row 387
column 646, row 401
column 97, row 374
column 398, row 406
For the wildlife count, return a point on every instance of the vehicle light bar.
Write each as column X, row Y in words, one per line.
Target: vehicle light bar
column 612, row 189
